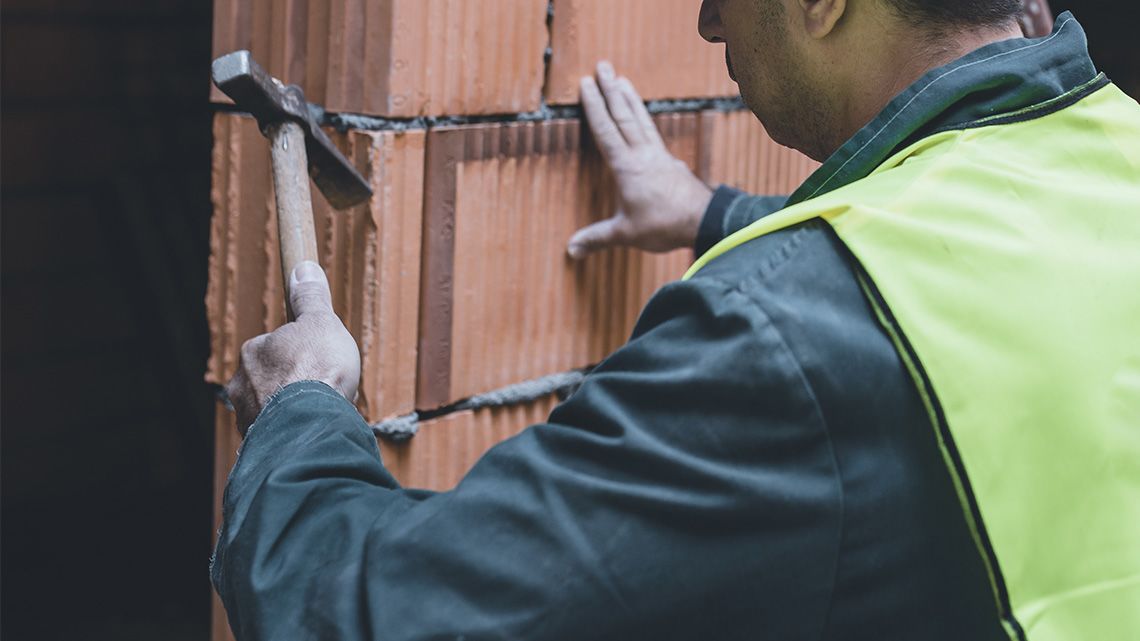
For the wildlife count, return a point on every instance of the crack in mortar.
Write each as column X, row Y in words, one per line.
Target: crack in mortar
column 403, row 428
column 343, row 122
column 547, row 55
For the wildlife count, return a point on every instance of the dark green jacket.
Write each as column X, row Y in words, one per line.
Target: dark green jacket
column 754, row 464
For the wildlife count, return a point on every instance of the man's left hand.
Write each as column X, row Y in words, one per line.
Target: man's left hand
column 315, row 347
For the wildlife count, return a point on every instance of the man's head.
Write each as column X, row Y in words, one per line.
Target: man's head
column 815, row 71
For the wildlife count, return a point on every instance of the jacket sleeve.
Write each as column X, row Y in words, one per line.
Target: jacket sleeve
column 730, row 211
column 686, row 490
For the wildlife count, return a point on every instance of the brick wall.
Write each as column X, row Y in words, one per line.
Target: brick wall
column 454, row 279
column 106, row 421
column 460, row 258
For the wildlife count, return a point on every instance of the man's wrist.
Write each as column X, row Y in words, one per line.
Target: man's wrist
column 710, row 230
column 288, row 393
column 696, row 205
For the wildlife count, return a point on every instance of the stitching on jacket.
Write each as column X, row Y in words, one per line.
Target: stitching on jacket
column 1033, row 112
column 913, row 98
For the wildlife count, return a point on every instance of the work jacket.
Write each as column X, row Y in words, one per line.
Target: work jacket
column 901, row 404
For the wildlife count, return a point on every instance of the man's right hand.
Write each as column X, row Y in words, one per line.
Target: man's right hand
column 315, row 347
column 660, row 201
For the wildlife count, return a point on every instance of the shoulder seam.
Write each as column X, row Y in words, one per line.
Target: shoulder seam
column 782, row 254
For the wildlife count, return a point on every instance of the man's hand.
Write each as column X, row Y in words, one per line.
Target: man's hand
column 315, row 347
column 661, row 202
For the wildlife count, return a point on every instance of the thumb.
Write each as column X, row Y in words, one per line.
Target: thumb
column 309, row 290
column 598, row 236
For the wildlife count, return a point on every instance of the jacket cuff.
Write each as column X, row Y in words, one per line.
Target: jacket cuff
column 295, row 411
column 745, row 211
column 711, row 230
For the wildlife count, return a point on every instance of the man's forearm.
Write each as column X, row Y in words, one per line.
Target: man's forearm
column 593, row 525
column 308, row 453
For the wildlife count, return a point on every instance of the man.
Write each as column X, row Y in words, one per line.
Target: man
column 900, row 404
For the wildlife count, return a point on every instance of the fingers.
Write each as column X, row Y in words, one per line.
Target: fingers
column 240, row 391
column 596, row 237
column 609, row 139
column 309, row 290
column 623, row 115
column 636, row 106
column 617, row 115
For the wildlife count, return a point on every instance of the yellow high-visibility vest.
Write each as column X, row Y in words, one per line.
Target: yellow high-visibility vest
column 1004, row 262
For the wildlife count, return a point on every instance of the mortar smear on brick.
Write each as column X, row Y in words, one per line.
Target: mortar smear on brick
column 446, row 448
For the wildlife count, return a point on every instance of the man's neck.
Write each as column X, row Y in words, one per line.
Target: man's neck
column 894, row 69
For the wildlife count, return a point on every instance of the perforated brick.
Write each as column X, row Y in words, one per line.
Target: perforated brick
column 653, row 42
column 395, row 58
column 501, row 302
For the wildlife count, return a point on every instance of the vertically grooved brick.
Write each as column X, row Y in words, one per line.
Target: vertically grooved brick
column 371, row 254
column 653, row 42
column 501, row 302
column 226, row 444
column 396, row 58
column 446, row 448
column 735, row 150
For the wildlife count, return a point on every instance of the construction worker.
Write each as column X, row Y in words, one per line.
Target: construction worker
column 902, row 403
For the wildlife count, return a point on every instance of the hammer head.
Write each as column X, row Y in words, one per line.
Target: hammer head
column 272, row 102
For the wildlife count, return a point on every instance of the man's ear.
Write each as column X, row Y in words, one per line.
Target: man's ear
column 821, row 16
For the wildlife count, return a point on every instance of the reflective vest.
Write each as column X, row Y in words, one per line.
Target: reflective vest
column 1004, row 262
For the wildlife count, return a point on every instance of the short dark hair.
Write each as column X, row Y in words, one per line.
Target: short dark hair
column 943, row 13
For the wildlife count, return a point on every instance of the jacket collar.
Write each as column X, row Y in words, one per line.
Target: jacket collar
column 1008, row 78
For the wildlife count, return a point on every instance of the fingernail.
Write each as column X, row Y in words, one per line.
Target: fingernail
column 605, row 69
column 575, row 251
column 307, row 272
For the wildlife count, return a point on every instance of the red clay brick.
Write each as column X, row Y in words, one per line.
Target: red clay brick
column 396, row 58
column 235, row 29
column 219, row 624
column 226, row 444
column 735, row 150
column 653, row 42
column 500, row 301
column 371, row 254
column 446, row 448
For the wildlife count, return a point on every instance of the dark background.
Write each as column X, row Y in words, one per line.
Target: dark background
column 106, row 424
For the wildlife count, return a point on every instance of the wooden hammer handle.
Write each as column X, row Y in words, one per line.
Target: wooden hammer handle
column 294, row 200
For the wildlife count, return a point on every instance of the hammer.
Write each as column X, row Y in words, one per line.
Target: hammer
column 300, row 149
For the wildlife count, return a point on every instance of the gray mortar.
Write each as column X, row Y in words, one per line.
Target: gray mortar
column 524, row 392
column 344, row 121
column 401, row 429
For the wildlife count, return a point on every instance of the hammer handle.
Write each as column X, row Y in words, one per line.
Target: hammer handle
column 294, row 200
